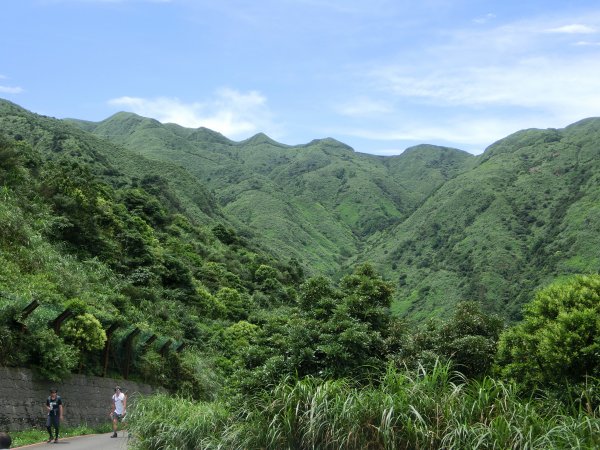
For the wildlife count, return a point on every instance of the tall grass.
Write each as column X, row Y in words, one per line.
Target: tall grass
column 165, row 422
column 434, row 409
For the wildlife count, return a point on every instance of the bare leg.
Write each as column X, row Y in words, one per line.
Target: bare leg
column 114, row 425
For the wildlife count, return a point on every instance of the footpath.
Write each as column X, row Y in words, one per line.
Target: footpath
column 89, row 442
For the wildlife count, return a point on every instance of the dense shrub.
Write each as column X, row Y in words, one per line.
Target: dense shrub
column 403, row 410
column 49, row 355
column 558, row 342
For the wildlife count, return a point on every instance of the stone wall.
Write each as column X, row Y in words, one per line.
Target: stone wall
column 86, row 399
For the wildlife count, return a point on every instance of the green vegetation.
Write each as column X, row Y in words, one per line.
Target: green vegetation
column 443, row 225
column 317, row 202
column 522, row 216
column 559, row 338
column 235, row 275
column 371, row 400
column 427, row 409
column 107, row 273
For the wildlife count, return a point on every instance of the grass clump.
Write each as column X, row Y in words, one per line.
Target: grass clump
column 420, row 409
column 162, row 421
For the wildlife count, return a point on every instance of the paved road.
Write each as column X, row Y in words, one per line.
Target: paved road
column 93, row 442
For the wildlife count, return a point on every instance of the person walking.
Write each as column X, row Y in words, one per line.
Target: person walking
column 118, row 409
column 55, row 414
column 5, row 440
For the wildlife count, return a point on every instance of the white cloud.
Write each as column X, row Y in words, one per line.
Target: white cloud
column 232, row 113
column 4, row 89
column 554, row 84
column 499, row 80
column 10, row 89
column 465, row 132
column 575, row 28
column 587, row 44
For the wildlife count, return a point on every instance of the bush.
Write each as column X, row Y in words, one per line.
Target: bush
column 51, row 357
column 558, row 342
column 84, row 332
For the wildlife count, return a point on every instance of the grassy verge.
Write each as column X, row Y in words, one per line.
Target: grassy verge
column 425, row 410
column 36, row 435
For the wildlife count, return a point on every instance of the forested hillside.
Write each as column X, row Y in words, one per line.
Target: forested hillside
column 318, row 202
column 441, row 224
column 105, row 241
column 236, row 275
column 525, row 215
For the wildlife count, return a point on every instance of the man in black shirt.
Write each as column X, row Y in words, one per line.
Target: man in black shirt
column 55, row 414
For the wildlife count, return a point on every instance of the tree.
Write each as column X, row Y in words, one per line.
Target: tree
column 50, row 356
column 267, row 281
column 85, row 332
column 367, row 297
column 470, row 339
column 237, row 305
column 559, row 339
column 346, row 325
column 317, row 297
column 10, row 159
column 237, row 337
column 225, row 234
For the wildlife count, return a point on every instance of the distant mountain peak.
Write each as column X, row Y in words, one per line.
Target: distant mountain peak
column 8, row 106
column 125, row 116
column 261, row 138
column 330, row 142
column 589, row 123
column 201, row 134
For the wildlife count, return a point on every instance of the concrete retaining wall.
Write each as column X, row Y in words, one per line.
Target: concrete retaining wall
column 86, row 399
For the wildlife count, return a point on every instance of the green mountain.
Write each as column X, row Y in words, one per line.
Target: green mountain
column 148, row 262
column 113, row 164
column 318, row 202
column 526, row 213
column 442, row 224
column 117, row 242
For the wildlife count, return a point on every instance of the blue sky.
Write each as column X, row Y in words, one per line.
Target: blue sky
column 378, row 75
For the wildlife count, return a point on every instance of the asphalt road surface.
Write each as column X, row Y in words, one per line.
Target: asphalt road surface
column 93, row 442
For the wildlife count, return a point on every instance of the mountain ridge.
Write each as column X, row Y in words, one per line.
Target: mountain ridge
column 286, row 175
column 442, row 224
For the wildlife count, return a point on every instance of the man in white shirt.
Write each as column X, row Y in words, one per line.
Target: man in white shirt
column 118, row 408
